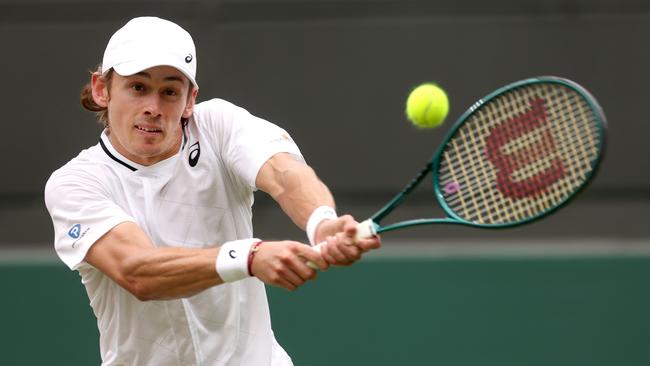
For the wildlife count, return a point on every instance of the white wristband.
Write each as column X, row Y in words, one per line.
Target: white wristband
column 232, row 261
column 319, row 214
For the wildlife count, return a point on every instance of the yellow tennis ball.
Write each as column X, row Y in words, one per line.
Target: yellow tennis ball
column 427, row 106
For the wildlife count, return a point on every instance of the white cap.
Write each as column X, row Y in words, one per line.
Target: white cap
column 147, row 42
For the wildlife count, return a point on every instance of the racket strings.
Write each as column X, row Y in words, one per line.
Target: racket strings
column 520, row 154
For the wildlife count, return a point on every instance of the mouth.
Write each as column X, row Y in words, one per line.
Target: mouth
column 148, row 129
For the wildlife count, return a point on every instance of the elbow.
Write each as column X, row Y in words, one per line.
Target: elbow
column 149, row 291
column 133, row 278
column 143, row 293
column 140, row 289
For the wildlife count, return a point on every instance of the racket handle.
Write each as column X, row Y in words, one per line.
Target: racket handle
column 365, row 229
column 317, row 249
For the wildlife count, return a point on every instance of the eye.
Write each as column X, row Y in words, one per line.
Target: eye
column 137, row 87
column 170, row 92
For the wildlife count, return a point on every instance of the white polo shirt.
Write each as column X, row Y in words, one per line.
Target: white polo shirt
column 199, row 198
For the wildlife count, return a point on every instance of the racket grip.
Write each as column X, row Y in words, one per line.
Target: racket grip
column 365, row 229
column 317, row 249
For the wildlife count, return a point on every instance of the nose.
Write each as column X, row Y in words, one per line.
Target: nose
column 153, row 105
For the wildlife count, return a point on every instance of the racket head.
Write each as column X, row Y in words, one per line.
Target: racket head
column 519, row 153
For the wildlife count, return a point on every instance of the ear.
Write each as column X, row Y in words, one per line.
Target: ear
column 191, row 100
column 100, row 90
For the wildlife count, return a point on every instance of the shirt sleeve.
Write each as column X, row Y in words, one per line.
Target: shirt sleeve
column 245, row 141
column 81, row 212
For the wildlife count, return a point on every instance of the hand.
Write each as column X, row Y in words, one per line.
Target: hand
column 342, row 248
column 284, row 264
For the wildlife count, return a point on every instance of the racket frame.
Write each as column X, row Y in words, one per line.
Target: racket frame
column 372, row 226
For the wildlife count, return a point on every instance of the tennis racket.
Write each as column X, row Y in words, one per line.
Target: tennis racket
column 513, row 157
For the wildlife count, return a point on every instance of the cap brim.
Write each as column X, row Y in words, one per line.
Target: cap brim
column 133, row 67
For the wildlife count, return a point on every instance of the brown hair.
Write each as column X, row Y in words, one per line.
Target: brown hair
column 88, row 102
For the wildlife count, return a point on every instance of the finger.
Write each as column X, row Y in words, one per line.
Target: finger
column 334, row 249
column 331, row 227
column 325, row 253
column 314, row 256
column 303, row 268
column 348, row 237
column 304, row 271
column 369, row 244
column 350, row 229
column 287, row 285
column 279, row 281
column 284, row 272
column 319, row 248
column 351, row 252
column 293, row 278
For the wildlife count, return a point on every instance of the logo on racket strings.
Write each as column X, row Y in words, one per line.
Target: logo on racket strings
column 507, row 163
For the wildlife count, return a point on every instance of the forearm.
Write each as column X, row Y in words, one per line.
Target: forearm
column 296, row 188
column 168, row 273
column 128, row 257
column 304, row 194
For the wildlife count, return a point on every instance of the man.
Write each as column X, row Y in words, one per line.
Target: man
column 160, row 210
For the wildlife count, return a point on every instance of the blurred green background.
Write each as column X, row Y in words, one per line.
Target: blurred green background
column 424, row 310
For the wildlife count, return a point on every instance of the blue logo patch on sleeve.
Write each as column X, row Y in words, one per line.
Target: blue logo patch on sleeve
column 75, row 231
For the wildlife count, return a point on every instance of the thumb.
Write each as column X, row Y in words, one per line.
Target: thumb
column 350, row 228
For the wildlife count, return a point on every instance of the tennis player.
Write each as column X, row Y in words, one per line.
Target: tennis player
column 160, row 209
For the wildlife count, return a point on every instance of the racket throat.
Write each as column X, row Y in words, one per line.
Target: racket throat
column 401, row 196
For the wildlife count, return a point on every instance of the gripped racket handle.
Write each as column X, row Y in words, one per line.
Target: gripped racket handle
column 365, row 229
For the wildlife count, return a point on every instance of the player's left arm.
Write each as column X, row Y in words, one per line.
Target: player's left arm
column 299, row 191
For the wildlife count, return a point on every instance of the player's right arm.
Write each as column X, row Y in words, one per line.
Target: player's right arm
column 92, row 229
column 127, row 255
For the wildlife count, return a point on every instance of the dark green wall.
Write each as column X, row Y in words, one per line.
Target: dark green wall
column 333, row 70
column 45, row 317
column 463, row 311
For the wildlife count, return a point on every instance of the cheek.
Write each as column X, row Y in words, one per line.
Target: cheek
column 120, row 115
column 179, row 112
column 114, row 113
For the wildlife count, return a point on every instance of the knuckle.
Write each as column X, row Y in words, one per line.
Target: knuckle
column 279, row 271
column 299, row 282
column 274, row 278
column 354, row 254
column 288, row 244
column 295, row 245
column 284, row 258
column 310, row 275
